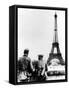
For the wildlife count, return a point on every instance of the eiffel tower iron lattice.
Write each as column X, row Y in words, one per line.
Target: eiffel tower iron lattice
column 55, row 45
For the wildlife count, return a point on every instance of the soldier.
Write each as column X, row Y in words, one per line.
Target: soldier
column 41, row 68
column 24, row 65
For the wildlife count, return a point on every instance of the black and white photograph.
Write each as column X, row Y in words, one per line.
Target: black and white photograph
column 41, row 45
column 39, row 51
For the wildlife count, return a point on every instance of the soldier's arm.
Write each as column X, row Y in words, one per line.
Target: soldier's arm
column 31, row 65
column 43, row 70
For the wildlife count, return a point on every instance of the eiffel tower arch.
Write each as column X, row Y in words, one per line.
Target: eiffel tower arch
column 55, row 46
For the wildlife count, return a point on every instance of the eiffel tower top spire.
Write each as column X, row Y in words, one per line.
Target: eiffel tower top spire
column 55, row 21
column 55, row 30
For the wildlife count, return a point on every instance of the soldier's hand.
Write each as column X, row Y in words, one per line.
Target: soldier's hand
column 33, row 70
column 42, row 74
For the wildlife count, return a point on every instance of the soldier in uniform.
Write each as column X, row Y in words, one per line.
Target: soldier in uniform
column 41, row 68
column 25, row 66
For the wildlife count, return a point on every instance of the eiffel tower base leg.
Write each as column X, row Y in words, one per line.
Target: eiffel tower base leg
column 55, row 56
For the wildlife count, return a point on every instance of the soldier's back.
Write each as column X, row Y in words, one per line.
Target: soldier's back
column 24, row 63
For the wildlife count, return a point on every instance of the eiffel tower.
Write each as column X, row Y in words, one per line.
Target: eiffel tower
column 55, row 46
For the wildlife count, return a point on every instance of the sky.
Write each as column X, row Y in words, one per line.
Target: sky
column 36, row 32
